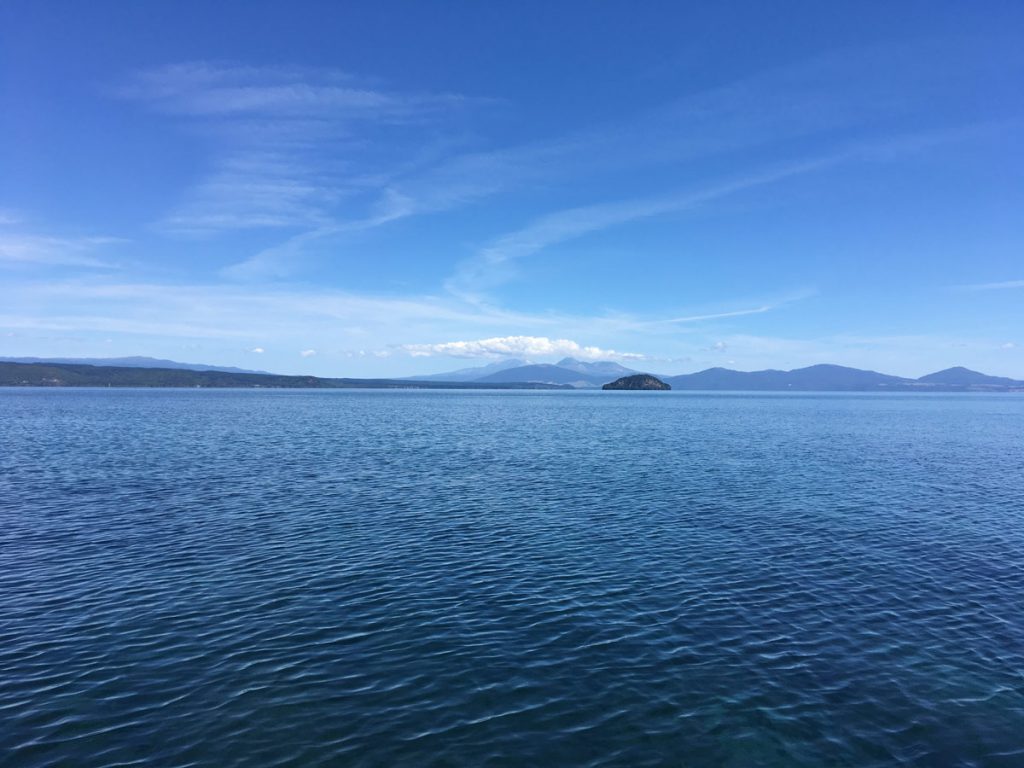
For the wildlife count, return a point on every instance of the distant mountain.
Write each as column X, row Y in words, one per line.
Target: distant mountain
column 549, row 374
column 128, row 362
column 65, row 375
column 570, row 371
column 838, row 378
column 965, row 377
column 726, row 379
column 471, row 374
column 816, row 378
column 600, row 368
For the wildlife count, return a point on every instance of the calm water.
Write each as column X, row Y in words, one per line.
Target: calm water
column 204, row 578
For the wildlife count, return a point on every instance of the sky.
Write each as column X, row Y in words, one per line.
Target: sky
column 399, row 188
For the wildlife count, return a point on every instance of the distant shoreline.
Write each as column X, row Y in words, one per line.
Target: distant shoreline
column 53, row 375
column 457, row 387
column 67, row 376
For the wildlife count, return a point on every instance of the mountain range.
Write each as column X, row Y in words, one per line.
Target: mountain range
column 838, row 378
column 80, row 375
column 471, row 374
column 506, row 374
column 815, row 378
column 129, row 362
column 575, row 373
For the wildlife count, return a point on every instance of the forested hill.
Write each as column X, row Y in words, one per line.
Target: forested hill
column 61, row 375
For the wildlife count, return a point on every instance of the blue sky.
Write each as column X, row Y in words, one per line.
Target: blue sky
column 391, row 188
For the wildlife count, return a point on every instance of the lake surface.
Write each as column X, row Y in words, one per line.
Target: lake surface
column 303, row 578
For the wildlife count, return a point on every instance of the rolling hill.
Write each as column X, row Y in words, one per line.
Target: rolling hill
column 837, row 378
column 815, row 378
column 964, row 377
column 821, row 378
column 60, row 375
column 470, row 374
column 129, row 362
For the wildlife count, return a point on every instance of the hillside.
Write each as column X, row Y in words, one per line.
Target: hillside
column 56, row 375
column 549, row 374
column 964, row 377
column 128, row 362
column 470, row 374
column 837, row 378
column 816, row 378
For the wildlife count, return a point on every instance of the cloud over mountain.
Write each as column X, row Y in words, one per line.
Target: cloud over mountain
column 520, row 346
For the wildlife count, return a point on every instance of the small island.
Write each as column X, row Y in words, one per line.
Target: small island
column 638, row 381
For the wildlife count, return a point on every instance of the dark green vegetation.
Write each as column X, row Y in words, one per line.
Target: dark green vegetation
column 129, row 362
column 637, row 382
column 57, row 375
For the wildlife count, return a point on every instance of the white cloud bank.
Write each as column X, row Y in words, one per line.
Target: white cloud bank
column 517, row 346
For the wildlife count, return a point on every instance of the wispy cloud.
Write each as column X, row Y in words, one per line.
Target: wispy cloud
column 398, row 154
column 271, row 129
column 256, row 188
column 720, row 315
column 487, row 268
column 491, row 265
column 49, row 250
column 282, row 259
column 515, row 346
column 292, row 317
column 390, row 330
column 700, row 318
column 826, row 96
column 992, row 286
column 218, row 89
column 229, row 311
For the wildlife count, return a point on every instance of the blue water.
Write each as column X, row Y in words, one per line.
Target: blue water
column 221, row 578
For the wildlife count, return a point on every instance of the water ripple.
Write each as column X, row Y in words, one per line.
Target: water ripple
column 448, row 579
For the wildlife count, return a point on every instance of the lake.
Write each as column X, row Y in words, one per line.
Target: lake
column 418, row 578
